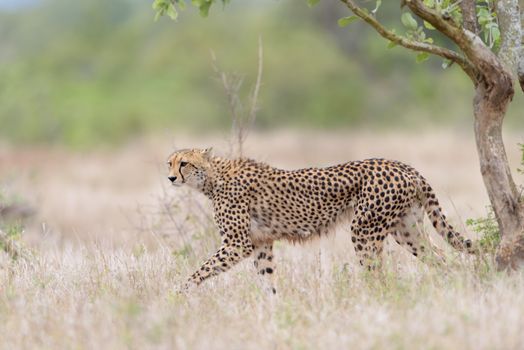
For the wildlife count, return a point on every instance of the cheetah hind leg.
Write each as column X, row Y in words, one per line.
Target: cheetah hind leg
column 265, row 266
column 410, row 234
column 368, row 248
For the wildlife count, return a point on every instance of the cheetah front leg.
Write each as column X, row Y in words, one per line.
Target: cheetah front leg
column 236, row 245
column 265, row 266
column 226, row 257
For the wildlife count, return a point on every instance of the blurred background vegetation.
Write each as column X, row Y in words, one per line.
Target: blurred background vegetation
column 86, row 73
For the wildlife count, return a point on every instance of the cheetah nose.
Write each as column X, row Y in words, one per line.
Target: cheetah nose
column 172, row 178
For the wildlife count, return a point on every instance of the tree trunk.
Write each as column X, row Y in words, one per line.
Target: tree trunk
column 490, row 106
column 492, row 77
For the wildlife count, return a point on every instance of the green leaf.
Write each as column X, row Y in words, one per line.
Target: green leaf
column 421, row 57
column 204, row 7
column 495, row 32
column 495, row 39
column 312, row 3
column 172, row 12
column 408, row 21
column 484, row 16
column 446, row 63
column 165, row 7
column 428, row 25
column 379, row 2
column 344, row 21
column 391, row 44
column 158, row 4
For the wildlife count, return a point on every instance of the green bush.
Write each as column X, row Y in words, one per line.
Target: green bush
column 102, row 72
column 488, row 229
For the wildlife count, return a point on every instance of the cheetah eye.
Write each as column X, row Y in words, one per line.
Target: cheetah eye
column 183, row 164
column 169, row 164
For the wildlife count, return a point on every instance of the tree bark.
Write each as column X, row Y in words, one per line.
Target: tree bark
column 511, row 51
column 469, row 15
column 520, row 68
column 503, row 194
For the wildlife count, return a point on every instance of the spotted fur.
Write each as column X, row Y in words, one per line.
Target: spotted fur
column 256, row 204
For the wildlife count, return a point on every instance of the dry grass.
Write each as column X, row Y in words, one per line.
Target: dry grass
column 92, row 298
column 117, row 242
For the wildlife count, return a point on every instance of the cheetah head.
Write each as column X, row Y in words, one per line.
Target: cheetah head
column 189, row 166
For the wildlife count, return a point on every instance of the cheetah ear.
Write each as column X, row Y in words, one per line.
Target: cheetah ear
column 207, row 153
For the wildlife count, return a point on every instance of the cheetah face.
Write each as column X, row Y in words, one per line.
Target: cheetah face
column 189, row 167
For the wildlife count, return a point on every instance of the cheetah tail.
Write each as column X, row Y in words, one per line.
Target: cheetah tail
column 439, row 222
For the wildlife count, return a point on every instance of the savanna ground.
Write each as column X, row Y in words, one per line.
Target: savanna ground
column 111, row 240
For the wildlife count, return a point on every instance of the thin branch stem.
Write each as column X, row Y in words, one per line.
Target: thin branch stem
column 254, row 95
column 485, row 66
column 411, row 44
column 232, row 83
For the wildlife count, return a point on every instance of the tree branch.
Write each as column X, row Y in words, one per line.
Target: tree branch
column 487, row 66
column 520, row 68
column 254, row 96
column 510, row 51
column 411, row 44
column 445, row 25
column 469, row 15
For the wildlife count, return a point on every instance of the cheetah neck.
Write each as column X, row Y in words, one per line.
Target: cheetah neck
column 220, row 169
column 217, row 166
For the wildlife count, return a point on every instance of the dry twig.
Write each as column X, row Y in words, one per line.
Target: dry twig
column 231, row 82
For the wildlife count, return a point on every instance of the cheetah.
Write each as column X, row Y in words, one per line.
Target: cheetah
column 255, row 204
